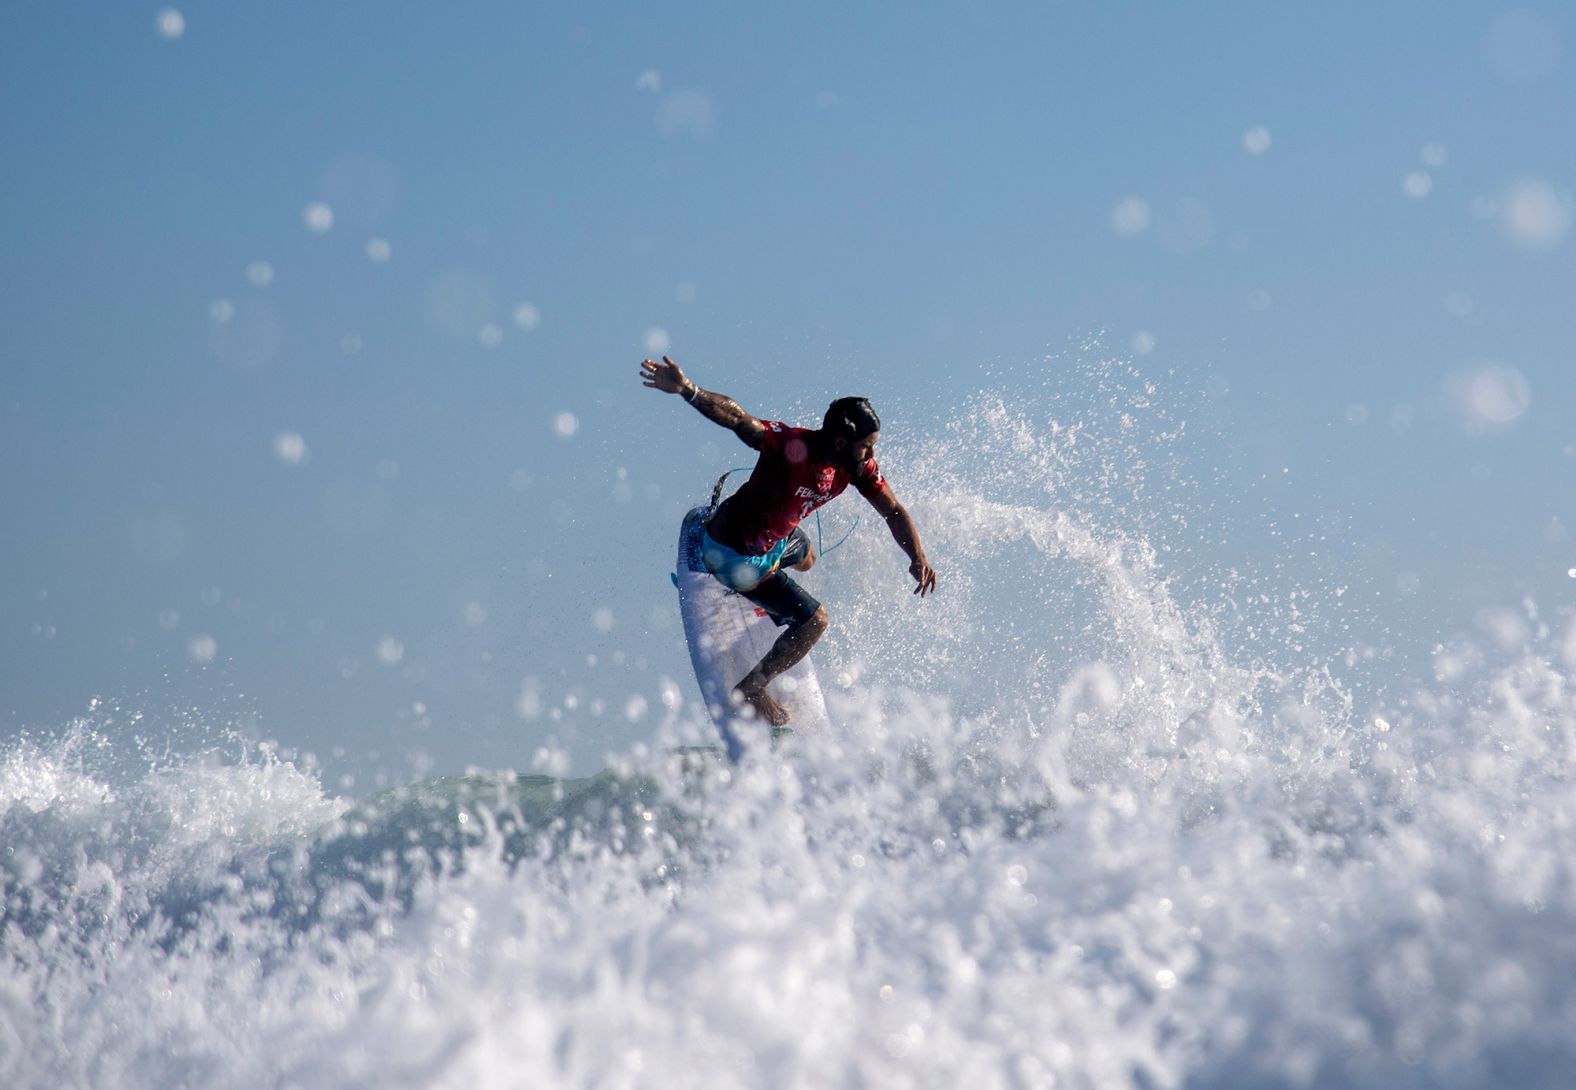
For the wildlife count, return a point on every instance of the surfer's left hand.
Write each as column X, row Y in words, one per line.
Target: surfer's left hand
column 924, row 575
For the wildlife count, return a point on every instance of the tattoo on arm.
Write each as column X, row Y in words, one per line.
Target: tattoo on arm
column 722, row 409
column 718, row 408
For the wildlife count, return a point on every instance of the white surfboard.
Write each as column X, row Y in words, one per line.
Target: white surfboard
column 727, row 636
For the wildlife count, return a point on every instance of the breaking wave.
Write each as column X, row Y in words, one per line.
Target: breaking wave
column 1095, row 833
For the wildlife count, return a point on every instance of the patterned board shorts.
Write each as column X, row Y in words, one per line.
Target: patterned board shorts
column 761, row 578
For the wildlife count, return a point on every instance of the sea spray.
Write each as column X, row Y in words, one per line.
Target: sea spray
column 1079, row 828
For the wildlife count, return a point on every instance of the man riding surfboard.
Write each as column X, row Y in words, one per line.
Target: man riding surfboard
column 754, row 534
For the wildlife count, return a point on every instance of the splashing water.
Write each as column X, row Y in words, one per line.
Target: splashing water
column 1065, row 835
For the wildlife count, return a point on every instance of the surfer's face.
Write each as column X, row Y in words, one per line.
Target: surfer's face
column 856, row 452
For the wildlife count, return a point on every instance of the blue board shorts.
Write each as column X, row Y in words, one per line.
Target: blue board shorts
column 761, row 578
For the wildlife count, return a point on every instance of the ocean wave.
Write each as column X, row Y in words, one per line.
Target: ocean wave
column 1136, row 857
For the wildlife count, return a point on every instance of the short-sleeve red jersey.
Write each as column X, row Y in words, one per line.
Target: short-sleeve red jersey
column 787, row 484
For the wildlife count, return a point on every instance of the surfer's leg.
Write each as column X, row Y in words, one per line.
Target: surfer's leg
column 800, row 554
column 791, row 646
column 789, row 604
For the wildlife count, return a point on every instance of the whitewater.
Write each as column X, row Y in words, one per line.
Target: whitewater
column 1107, row 818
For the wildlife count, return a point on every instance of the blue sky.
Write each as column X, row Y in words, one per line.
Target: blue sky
column 341, row 507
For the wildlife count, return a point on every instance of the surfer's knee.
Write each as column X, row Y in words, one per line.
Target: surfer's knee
column 817, row 622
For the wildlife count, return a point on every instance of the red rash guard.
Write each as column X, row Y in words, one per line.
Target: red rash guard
column 787, row 485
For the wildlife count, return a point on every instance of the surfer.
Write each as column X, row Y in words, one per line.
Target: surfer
column 754, row 534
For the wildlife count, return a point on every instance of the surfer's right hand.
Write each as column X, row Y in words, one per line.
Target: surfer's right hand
column 664, row 376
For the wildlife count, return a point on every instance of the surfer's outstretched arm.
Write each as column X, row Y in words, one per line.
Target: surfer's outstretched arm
column 718, row 408
column 905, row 533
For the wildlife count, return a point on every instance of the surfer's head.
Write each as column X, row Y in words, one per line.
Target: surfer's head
column 851, row 426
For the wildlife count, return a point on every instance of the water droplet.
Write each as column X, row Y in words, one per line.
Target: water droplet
column 1256, row 141
column 290, row 448
column 318, row 217
column 171, row 24
column 1494, row 395
column 202, row 648
column 1535, row 215
column 1130, row 216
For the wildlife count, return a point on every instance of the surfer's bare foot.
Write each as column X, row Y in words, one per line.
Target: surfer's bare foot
column 765, row 705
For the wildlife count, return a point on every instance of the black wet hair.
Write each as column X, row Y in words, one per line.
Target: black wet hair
column 850, row 418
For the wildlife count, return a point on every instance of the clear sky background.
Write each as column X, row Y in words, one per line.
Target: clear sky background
column 319, row 324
